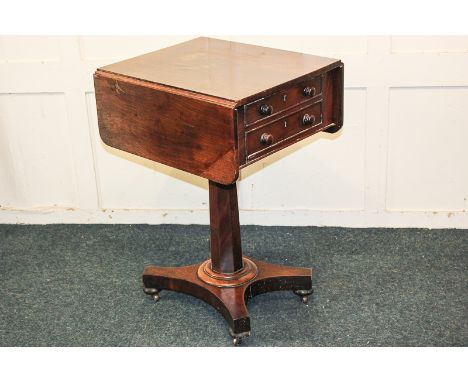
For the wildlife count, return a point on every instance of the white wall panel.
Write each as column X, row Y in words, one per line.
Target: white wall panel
column 122, row 47
column 31, row 77
column 37, row 151
column 29, row 49
column 318, row 45
column 428, row 150
column 400, row 159
column 433, row 44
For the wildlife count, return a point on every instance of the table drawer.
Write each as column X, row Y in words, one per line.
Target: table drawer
column 278, row 133
column 269, row 106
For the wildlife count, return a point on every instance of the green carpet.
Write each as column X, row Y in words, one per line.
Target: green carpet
column 80, row 285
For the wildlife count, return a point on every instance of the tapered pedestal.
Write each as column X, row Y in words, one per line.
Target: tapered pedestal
column 228, row 279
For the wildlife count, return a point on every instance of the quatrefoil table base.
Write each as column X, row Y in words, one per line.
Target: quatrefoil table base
column 228, row 292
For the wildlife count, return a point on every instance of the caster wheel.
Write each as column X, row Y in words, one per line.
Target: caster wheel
column 304, row 295
column 237, row 338
column 153, row 292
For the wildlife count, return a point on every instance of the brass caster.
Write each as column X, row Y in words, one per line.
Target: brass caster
column 153, row 292
column 304, row 295
column 237, row 338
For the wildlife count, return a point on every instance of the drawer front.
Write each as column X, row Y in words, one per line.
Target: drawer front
column 282, row 131
column 267, row 107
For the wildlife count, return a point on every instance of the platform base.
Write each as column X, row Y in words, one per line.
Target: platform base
column 229, row 297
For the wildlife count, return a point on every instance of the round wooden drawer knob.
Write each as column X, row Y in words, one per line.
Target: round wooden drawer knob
column 308, row 120
column 309, row 91
column 266, row 110
column 266, row 139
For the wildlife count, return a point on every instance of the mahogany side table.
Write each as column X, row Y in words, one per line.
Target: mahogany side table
column 211, row 107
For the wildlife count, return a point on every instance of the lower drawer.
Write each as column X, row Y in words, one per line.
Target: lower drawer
column 279, row 133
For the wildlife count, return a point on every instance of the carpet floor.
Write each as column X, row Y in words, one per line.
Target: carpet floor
column 80, row 285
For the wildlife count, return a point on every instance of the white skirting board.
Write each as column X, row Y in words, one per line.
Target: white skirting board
column 356, row 219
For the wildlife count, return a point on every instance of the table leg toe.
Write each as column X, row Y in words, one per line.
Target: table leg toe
column 230, row 302
column 275, row 277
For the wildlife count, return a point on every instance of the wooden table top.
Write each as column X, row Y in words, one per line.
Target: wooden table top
column 223, row 69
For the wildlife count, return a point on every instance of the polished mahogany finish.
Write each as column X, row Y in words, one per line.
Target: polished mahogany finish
column 190, row 132
column 211, row 107
column 226, row 251
column 230, row 301
column 190, row 105
column 222, row 69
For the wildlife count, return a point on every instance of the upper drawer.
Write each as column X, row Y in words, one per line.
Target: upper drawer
column 266, row 107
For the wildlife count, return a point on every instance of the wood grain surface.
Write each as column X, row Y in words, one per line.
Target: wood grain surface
column 193, row 106
column 224, row 69
column 192, row 133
